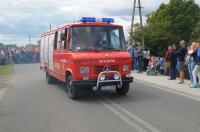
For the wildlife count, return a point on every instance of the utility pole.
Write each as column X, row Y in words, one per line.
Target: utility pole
column 132, row 22
column 74, row 19
column 141, row 23
column 29, row 38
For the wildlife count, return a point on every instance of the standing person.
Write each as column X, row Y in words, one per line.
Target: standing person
column 130, row 49
column 172, row 66
column 146, row 55
column 0, row 57
column 140, row 57
column 196, row 70
column 135, row 56
column 167, row 59
column 161, row 64
column 191, row 62
column 181, row 53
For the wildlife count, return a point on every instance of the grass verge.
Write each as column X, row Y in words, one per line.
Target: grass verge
column 6, row 69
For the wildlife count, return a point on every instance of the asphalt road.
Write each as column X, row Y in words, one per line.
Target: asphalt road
column 32, row 105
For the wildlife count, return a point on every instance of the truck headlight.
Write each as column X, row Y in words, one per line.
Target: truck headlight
column 102, row 77
column 126, row 68
column 116, row 76
column 84, row 70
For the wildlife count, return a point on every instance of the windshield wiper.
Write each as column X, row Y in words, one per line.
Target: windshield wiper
column 111, row 48
column 90, row 49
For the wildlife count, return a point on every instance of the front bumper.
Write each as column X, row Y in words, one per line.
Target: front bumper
column 94, row 82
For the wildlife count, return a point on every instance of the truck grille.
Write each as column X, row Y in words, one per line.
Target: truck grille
column 98, row 69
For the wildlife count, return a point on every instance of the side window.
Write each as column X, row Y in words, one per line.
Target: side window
column 58, row 40
column 42, row 43
column 42, row 50
column 55, row 42
column 51, row 40
column 70, row 46
column 63, row 41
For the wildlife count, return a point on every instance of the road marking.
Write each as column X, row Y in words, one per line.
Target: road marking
column 139, row 120
column 123, row 117
column 2, row 92
column 168, row 90
column 133, row 116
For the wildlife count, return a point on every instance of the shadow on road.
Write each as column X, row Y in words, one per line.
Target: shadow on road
column 134, row 95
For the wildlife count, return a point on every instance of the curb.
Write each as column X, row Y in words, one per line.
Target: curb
column 175, row 91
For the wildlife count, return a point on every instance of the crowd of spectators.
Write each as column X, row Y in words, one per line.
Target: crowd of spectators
column 19, row 55
column 175, row 59
column 140, row 57
column 143, row 62
column 179, row 59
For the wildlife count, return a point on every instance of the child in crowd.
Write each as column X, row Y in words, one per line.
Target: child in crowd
column 152, row 62
column 161, row 63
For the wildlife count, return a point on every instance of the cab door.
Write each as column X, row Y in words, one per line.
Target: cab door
column 63, row 50
column 57, row 54
column 50, row 52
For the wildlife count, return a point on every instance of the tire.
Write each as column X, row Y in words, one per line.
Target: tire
column 50, row 79
column 123, row 90
column 156, row 73
column 72, row 91
column 148, row 73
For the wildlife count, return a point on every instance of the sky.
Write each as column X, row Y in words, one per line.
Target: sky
column 19, row 18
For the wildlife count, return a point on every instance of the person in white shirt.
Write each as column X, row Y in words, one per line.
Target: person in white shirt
column 146, row 57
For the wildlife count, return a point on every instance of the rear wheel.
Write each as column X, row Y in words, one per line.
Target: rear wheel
column 148, row 73
column 123, row 90
column 72, row 91
column 156, row 73
column 50, row 79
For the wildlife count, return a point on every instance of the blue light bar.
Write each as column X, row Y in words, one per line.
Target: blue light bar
column 108, row 20
column 93, row 19
column 88, row 19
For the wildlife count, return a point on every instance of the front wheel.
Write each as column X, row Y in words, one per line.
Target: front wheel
column 123, row 90
column 72, row 91
column 50, row 79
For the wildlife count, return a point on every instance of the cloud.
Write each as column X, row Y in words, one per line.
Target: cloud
column 125, row 12
column 21, row 17
column 18, row 39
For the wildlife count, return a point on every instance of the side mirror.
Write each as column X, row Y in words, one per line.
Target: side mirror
column 63, row 36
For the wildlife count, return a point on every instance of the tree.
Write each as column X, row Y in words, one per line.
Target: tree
column 195, row 37
column 1, row 45
column 183, row 16
column 169, row 24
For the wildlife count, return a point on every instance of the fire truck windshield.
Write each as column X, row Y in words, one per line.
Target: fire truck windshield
column 97, row 38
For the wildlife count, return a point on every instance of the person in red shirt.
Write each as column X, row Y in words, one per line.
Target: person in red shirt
column 167, row 60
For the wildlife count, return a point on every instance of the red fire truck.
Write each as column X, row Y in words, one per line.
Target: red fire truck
column 91, row 53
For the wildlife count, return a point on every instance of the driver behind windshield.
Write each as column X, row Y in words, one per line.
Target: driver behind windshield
column 100, row 43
